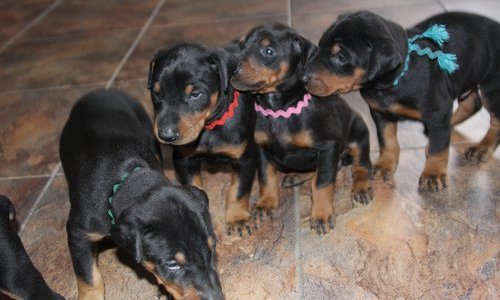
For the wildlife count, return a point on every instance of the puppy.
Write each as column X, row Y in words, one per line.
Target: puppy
column 19, row 279
column 117, row 189
column 296, row 131
column 205, row 120
column 400, row 81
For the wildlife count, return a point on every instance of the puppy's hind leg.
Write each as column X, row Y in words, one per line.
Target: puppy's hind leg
column 468, row 105
column 359, row 150
column 490, row 95
column 84, row 256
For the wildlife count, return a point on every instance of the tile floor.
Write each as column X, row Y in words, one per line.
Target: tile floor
column 402, row 246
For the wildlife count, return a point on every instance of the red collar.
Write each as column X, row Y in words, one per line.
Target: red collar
column 227, row 115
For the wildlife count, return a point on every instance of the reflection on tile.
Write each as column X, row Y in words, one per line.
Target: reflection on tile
column 70, row 60
column 444, row 244
column 209, row 34
column 192, row 11
column 138, row 89
column 23, row 193
column 260, row 266
column 31, row 125
column 81, row 17
column 16, row 15
column 312, row 25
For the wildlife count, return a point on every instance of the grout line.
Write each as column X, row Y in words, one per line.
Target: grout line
column 136, row 42
column 442, row 5
column 110, row 82
column 31, row 24
column 25, row 177
column 289, row 12
column 40, row 196
column 298, row 243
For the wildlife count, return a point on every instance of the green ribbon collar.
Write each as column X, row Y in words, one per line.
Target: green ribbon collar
column 115, row 189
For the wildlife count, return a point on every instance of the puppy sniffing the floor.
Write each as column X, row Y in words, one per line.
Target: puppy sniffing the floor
column 117, row 189
column 205, row 120
column 296, row 131
column 414, row 74
column 19, row 279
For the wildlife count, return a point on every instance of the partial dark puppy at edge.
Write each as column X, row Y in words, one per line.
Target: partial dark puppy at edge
column 19, row 279
column 117, row 189
column 367, row 52
column 323, row 132
column 205, row 120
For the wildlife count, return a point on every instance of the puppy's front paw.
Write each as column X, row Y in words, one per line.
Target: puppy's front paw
column 362, row 191
column 363, row 196
column 265, row 207
column 478, row 153
column 322, row 225
column 384, row 169
column 432, row 181
column 238, row 221
column 239, row 227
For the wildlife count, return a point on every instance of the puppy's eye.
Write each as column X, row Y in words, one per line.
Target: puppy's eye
column 195, row 95
column 172, row 265
column 340, row 58
column 268, row 52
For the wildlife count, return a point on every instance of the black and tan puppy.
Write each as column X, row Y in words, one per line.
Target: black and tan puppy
column 19, row 279
column 298, row 132
column 366, row 52
column 117, row 189
column 205, row 120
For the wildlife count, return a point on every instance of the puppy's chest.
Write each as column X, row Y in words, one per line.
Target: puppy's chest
column 282, row 134
column 211, row 147
column 405, row 107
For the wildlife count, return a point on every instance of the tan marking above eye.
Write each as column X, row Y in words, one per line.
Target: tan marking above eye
column 335, row 49
column 180, row 258
column 265, row 42
column 188, row 89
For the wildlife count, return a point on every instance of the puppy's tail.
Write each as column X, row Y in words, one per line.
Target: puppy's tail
column 7, row 210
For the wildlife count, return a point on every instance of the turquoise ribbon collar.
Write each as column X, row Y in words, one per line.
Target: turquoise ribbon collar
column 439, row 35
column 115, row 189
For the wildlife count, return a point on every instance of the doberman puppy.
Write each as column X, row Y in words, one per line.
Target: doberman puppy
column 298, row 132
column 395, row 73
column 19, row 279
column 117, row 189
column 205, row 120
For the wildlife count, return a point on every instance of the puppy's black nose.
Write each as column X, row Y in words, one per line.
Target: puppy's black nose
column 238, row 70
column 304, row 78
column 169, row 135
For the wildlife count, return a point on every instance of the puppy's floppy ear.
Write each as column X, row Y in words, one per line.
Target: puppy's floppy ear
column 154, row 67
column 223, row 64
column 388, row 50
column 128, row 237
column 303, row 47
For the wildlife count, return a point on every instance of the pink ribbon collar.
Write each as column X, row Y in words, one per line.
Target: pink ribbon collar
column 296, row 110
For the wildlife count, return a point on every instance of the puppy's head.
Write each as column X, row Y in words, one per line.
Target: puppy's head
column 171, row 235
column 359, row 50
column 7, row 211
column 271, row 56
column 186, row 84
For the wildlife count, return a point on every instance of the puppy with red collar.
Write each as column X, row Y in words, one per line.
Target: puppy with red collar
column 205, row 120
